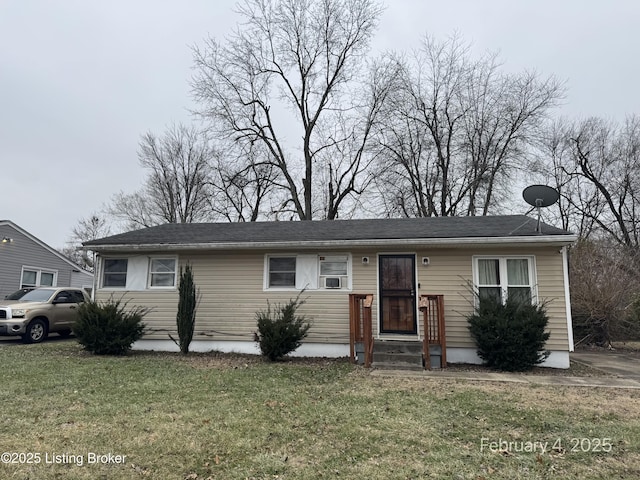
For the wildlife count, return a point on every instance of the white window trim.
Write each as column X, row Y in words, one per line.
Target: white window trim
column 39, row 271
column 346, row 280
column 175, row 272
column 502, row 261
column 265, row 275
column 102, row 272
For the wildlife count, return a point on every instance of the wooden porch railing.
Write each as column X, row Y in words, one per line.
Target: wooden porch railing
column 432, row 308
column 360, row 328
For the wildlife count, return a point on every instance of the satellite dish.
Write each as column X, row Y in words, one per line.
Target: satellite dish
column 540, row 196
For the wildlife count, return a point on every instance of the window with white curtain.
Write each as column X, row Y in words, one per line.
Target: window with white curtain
column 505, row 277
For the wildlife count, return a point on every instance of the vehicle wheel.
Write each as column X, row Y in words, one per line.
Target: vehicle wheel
column 36, row 331
column 64, row 333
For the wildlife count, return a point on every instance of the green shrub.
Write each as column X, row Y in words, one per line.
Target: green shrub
column 280, row 329
column 107, row 328
column 510, row 336
column 187, row 303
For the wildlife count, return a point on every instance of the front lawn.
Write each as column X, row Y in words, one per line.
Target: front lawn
column 68, row 414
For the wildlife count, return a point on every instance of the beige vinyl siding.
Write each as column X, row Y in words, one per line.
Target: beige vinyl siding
column 232, row 291
column 231, row 288
column 551, row 291
column 450, row 273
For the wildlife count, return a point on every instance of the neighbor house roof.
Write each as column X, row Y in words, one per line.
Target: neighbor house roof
column 448, row 231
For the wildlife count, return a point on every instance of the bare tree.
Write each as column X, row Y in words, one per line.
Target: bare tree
column 457, row 130
column 177, row 188
column 608, row 156
column 604, row 289
column 346, row 165
column 595, row 164
column 299, row 56
column 554, row 165
column 91, row 228
column 242, row 183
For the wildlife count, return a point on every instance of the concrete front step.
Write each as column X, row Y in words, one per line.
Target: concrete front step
column 397, row 366
column 397, row 346
column 397, row 355
column 403, row 355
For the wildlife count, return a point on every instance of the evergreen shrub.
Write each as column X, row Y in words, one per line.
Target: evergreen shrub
column 108, row 328
column 187, row 303
column 280, row 329
column 510, row 336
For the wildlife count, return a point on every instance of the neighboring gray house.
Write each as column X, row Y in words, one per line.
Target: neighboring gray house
column 26, row 261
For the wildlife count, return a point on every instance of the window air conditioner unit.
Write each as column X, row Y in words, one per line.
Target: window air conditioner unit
column 332, row 282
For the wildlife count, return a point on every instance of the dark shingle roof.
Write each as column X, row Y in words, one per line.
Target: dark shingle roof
column 351, row 231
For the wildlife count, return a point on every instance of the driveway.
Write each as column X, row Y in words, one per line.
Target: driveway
column 622, row 364
column 14, row 340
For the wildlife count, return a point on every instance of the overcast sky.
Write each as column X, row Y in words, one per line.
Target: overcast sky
column 81, row 81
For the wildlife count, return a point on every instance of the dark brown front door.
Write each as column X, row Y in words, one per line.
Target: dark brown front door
column 397, row 294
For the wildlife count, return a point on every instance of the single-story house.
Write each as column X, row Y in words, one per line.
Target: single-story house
column 396, row 263
column 28, row 262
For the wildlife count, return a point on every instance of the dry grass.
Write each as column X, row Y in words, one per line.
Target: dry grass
column 221, row 416
column 576, row 369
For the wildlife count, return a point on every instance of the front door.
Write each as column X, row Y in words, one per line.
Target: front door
column 397, row 278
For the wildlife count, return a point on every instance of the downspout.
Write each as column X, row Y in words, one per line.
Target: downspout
column 96, row 274
column 567, row 296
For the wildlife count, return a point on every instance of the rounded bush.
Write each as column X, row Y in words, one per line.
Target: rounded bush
column 108, row 328
column 510, row 336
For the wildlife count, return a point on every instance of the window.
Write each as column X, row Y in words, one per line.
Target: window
column 35, row 277
column 162, row 272
column 282, row 272
column 29, row 278
column 504, row 277
column 76, row 296
column 333, row 266
column 115, row 272
column 307, row 271
column 64, row 297
column 333, row 271
column 46, row 279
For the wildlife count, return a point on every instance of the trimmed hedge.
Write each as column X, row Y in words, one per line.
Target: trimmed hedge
column 510, row 336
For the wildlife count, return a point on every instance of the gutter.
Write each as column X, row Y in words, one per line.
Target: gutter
column 537, row 240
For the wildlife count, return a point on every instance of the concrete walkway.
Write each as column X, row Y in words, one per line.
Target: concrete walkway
column 625, row 371
column 620, row 364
